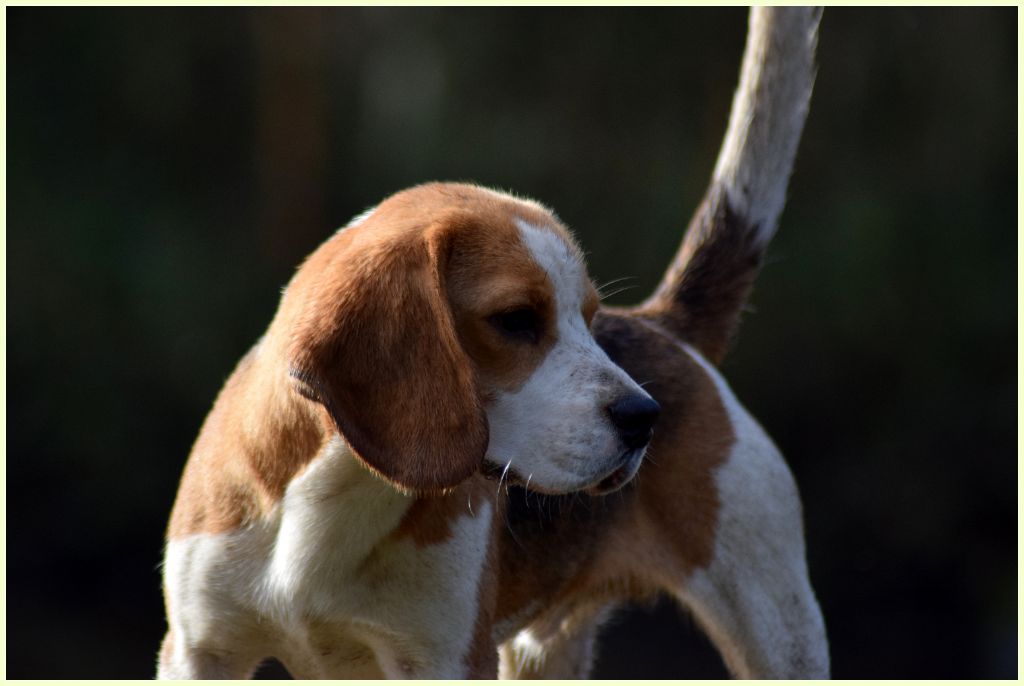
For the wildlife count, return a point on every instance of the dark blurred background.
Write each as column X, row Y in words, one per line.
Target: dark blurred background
column 169, row 168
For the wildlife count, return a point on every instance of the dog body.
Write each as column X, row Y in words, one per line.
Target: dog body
column 333, row 513
column 713, row 520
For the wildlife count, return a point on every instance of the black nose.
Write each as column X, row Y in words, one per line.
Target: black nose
column 634, row 417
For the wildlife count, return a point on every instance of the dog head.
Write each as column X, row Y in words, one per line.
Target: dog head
column 447, row 330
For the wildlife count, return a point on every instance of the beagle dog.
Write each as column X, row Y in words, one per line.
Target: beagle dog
column 338, row 510
column 713, row 518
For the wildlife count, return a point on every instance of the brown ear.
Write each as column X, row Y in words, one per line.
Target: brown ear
column 376, row 345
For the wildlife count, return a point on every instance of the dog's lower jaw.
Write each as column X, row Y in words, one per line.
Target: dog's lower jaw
column 621, row 475
column 609, row 481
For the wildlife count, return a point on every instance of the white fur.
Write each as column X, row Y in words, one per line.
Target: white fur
column 554, row 430
column 527, row 648
column 768, row 114
column 321, row 574
column 755, row 599
column 359, row 218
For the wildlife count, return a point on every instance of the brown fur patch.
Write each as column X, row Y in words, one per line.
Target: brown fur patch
column 677, row 499
column 429, row 520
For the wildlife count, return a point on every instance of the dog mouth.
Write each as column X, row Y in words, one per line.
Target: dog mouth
column 621, row 476
column 628, row 465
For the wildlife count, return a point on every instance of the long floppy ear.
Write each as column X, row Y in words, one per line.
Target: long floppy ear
column 375, row 343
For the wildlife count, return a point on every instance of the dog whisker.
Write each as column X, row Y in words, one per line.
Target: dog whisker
column 606, row 284
column 605, row 296
column 504, row 473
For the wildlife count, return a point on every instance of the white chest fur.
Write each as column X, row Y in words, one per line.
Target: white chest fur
column 324, row 586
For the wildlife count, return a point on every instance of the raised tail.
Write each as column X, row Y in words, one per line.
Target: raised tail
column 705, row 287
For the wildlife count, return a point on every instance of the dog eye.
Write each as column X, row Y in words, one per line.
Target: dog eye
column 522, row 324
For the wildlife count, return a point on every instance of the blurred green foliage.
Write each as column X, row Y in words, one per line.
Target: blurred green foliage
column 168, row 169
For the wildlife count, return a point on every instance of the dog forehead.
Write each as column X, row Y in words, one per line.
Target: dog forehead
column 559, row 258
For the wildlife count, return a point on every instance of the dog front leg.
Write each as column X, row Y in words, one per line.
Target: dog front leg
column 418, row 657
column 563, row 647
column 184, row 662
